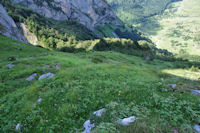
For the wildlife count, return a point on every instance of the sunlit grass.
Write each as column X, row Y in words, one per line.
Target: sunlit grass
column 183, row 73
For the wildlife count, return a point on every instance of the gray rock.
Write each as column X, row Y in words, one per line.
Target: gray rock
column 88, row 126
column 32, row 77
column 10, row 65
column 197, row 128
column 18, row 127
column 127, row 121
column 195, row 92
column 39, row 100
column 10, row 28
column 172, row 85
column 47, row 75
column 99, row 112
column 90, row 13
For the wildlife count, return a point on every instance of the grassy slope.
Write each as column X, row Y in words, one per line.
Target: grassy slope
column 179, row 28
column 125, row 85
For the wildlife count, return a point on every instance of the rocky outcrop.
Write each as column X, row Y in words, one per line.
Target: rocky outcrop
column 31, row 38
column 90, row 13
column 9, row 28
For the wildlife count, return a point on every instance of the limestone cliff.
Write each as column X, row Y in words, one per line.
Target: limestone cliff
column 9, row 28
column 90, row 13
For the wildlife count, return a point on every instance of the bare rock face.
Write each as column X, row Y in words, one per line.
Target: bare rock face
column 90, row 13
column 9, row 28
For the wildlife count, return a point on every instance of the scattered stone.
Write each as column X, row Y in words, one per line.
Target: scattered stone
column 195, row 92
column 124, row 83
column 99, row 112
column 172, row 85
column 47, row 75
column 88, row 126
column 10, row 65
column 32, row 77
column 39, row 100
column 46, row 66
column 127, row 121
column 197, row 128
column 57, row 66
column 18, row 127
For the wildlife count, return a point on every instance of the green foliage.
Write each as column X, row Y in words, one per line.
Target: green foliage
column 115, row 44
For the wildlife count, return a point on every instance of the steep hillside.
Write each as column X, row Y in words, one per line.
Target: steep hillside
column 58, row 34
column 171, row 24
column 82, row 83
column 90, row 13
column 93, row 14
column 134, row 11
column 178, row 28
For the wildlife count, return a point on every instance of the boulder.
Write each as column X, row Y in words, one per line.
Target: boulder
column 195, row 92
column 10, row 65
column 47, row 75
column 197, row 128
column 88, row 126
column 18, row 127
column 127, row 121
column 99, row 112
column 32, row 77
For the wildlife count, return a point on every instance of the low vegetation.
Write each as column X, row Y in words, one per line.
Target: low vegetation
column 123, row 84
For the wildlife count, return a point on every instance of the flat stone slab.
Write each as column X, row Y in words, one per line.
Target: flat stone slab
column 47, row 75
column 18, row 127
column 197, row 128
column 39, row 100
column 88, row 126
column 172, row 85
column 127, row 121
column 32, row 77
column 99, row 112
column 195, row 92
column 10, row 65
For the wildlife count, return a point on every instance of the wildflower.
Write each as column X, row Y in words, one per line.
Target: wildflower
column 119, row 93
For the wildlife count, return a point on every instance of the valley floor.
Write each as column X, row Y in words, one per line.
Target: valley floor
column 177, row 29
column 124, row 85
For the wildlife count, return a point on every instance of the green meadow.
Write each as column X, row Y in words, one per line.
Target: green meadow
column 125, row 85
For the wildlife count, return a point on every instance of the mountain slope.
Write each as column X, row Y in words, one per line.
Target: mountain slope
column 59, row 34
column 171, row 24
column 89, row 13
column 134, row 11
column 86, row 82
column 179, row 28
